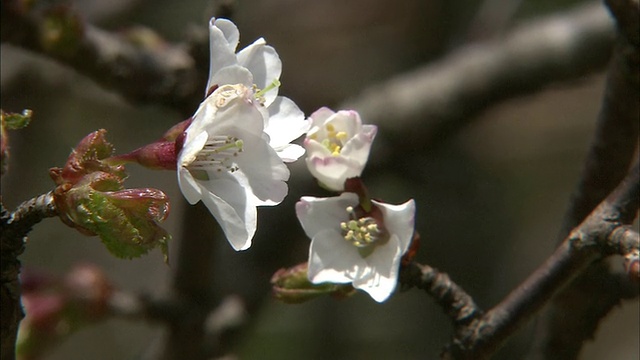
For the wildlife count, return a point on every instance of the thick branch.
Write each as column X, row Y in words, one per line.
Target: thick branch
column 155, row 72
column 422, row 107
column 576, row 312
column 595, row 238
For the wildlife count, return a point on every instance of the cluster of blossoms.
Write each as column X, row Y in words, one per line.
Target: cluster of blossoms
column 354, row 239
column 231, row 155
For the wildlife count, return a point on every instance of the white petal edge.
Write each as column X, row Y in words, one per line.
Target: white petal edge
column 320, row 116
column 399, row 220
column 359, row 146
column 290, row 153
column 317, row 214
column 221, row 55
column 230, row 31
column 238, row 219
column 265, row 65
column 188, row 186
column 384, row 262
column 286, row 122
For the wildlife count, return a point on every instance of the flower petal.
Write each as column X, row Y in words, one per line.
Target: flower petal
column 332, row 171
column 347, row 121
column 332, row 259
column 265, row 65
column 400, row 221
column 232, row 74
column 317, row 214
column 222, row 53
column 315, row 148
column 230, row 31
column 188, row 186
column 384, row 262
column 230, row 204
column 290, row 153
column 286, row 122
column 359, row 146
column 321, row 115
column 238, row 114
column 192, row 147
column 264, row 170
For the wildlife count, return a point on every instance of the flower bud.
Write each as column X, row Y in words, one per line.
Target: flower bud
column 91, row 198
column 292, row 286
column 88, row 157
column 127, row 220
column 161, row 154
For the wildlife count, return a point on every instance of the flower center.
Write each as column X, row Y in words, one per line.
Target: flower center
column 361, row 232
column 218, row 153
column 335, row 140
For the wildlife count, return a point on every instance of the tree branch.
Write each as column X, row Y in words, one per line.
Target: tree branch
column 13, row 229
column 616, row 135
column 576, row 312
column 457, row 304
column 425, row 106
column 597, row 237
column 151, row 71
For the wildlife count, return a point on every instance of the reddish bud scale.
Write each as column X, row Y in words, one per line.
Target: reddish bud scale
column 356, row 186
column 412, row 251
column 180, row 142
column 211, row 90
column 176, row 130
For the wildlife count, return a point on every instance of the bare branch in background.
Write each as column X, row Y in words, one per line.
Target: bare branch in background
column 424, row 106
column 435, row 99
column 144, row 69
column 578, row 310
column 598, row 236
column 616, row 135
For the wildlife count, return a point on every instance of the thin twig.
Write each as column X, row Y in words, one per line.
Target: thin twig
column 457, row 304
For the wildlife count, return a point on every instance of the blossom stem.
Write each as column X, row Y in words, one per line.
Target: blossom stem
column 356, row 185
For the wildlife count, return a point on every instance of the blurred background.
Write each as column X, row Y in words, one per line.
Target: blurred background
column 490, row 199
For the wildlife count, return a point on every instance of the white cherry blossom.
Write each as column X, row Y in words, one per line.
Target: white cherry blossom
column 338, row 146
column 350, row 246
column 227, row 164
